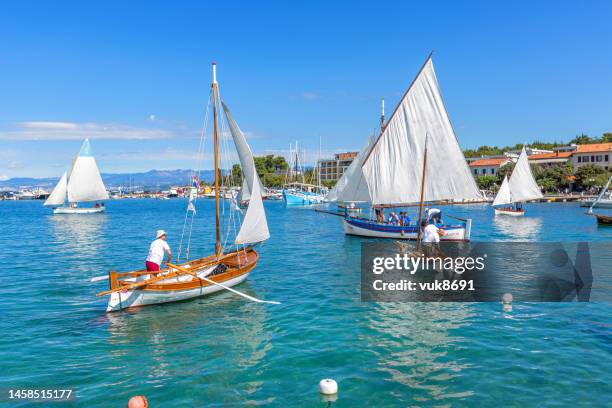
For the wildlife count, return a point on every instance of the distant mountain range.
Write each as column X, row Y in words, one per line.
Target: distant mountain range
column 153, row 179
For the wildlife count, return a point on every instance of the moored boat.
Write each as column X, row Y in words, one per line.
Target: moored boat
column 227, row 267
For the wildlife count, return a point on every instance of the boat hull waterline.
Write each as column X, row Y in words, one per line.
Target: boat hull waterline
column 511, row 212
column 81, row 210
column 184, row 286
column 366, row 228
column 291, row 198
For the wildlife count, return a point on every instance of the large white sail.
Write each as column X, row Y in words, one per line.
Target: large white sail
column 352, row 186
column 393, row 169
column 247, row 164
column 254, row 226
column 503, row 195
column 58, row 195
column 523, row 186
column 85, row 182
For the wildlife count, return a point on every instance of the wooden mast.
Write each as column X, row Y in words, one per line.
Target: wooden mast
column 422, row 191
column 216, row 148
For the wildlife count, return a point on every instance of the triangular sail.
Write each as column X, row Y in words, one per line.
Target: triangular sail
column 393, row 168
column 247, row 164
column 352, row 186
column 503, row 195
column 254, row 226
column 523, row 186
column 58, row 195
column 85, row 182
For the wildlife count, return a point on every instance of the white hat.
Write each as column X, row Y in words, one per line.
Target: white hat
column 160, row 233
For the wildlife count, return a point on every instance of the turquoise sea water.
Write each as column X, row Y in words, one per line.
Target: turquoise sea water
column 225, row 351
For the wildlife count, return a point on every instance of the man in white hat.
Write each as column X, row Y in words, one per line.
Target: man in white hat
column 156, row 252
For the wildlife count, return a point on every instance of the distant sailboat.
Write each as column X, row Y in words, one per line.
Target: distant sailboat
column 521, row 187
column 296, row 192
column 396, row 172
column 83, row 184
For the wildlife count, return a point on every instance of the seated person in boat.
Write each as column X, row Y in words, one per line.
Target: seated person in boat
column 380, row 215
column 157, row 250
column 404, row 218
column 393, row 218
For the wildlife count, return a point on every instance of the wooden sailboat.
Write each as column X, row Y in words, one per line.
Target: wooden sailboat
column 83, row 184
column 519, row 188
column 219, row 271
column 393, row 170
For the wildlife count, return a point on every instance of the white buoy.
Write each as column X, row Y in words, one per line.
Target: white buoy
column 507, row 302
column 328, row 386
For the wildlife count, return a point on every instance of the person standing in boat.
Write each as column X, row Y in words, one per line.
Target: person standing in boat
column 433, row 214
column 157, row 250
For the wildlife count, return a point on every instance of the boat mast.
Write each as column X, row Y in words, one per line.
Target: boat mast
column 216, row 148
column 422, row 191
column 382, row 116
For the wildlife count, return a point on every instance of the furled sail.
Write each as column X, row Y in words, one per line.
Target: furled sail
column 85, row 182
column 254, row 226
column 393, row 168
column 523, row 186
column 245, row 156
column 352, row 186
column 58, row 195
column 503, row 195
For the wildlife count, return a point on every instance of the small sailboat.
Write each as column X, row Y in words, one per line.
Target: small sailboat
column 603, row 200
column 83, row 184
column 602, row 219
column 227, row 267
column 519, row 188
column 394, row 171
column 295, row 190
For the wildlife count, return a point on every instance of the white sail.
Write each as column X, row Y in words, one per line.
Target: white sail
column 352, row 186
column 247, row 164
column 503, row 195
column 58, row 195
column 523, row 186
column 393, row 169
column 85, row 182
column 254, row 226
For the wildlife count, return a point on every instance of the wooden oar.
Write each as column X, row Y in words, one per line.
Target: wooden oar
column 244, row 295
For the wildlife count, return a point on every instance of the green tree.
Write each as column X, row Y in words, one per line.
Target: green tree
column 581, row 139
column 590, row 175
column 236, row 172
column 486, row 182
column 606, row 138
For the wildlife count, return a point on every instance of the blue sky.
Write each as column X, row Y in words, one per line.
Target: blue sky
column 134, row 76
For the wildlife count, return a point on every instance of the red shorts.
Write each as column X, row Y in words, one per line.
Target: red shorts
column 151, row 266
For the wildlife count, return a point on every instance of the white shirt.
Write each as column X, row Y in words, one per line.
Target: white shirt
column 430, row 234
column 157, row 250
column 431, row 212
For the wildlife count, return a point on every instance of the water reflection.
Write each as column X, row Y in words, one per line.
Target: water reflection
column 210, row 340
column 413, row 343
column 78, row 234
column 523, row 228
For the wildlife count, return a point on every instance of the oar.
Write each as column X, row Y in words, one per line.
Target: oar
column 244, row 295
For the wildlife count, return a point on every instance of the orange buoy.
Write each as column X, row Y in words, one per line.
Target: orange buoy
column 139, row 401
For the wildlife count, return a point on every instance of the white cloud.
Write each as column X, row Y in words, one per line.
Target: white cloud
column 38, row 130
column 152, row 117
column 310, row 96
column 3, row 177
column 15, row 164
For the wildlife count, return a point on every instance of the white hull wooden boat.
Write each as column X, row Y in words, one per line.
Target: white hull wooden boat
column 509, row 211
column 180, row 287
column 79, row 210
column 220, row 271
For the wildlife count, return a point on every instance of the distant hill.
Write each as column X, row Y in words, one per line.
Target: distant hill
column 152, row 179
